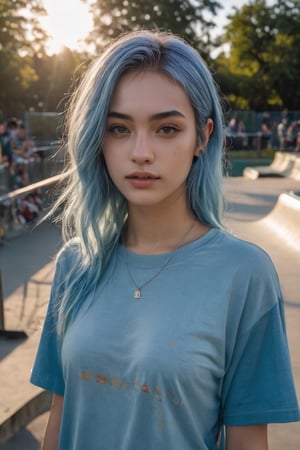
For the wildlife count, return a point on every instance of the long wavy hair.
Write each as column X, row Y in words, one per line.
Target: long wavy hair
column 94, row 210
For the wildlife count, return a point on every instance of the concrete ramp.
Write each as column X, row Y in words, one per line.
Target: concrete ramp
column 284, row 220
column 20, row 401
column 281, row 166
column 278, row 233
column 280, row 228
column 25, row 309
column 295, row 174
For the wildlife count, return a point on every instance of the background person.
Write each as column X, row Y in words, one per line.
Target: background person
column 237, row 130
column 6, row 151
column 266, row 131
column 282, row 134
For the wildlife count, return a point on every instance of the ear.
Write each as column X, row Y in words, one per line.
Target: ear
column 199, row 150
column 202, row 144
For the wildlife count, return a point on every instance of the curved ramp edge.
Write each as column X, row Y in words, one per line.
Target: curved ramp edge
column 32, row 408
column 284, row 220
column 282, row 166
column 295, row 174
column 20, row 401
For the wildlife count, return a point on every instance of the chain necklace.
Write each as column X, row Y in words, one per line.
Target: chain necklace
column 138, row 291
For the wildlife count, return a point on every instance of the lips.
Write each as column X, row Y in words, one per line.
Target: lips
column 142, row 180
column 142, row 176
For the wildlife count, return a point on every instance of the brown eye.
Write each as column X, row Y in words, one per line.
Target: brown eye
column 118, row 130
column 168, row 130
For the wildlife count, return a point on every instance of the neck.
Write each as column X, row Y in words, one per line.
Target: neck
column 160, row 233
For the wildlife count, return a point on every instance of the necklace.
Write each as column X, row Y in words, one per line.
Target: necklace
column 138, row 291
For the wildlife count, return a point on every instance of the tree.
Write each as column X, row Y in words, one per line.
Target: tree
column 285, row 65
column 56, row 75
column 20, row 38
column 189, row 19
column 263, row 65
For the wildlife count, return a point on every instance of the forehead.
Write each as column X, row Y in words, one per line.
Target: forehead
column 149, row 90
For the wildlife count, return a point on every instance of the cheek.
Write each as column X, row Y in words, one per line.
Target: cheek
column 183, row 156
column 109, row 164
column 109, row 155
column 114, row 167
column 111, row 168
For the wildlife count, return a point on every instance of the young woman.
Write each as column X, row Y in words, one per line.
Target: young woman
column 163, row 332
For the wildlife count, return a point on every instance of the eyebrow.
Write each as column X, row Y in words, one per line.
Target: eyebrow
column 157, row 116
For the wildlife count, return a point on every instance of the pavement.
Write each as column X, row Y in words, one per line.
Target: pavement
column 27, row 264
column 24, row 408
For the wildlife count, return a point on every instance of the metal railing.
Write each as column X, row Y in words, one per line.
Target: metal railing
column 9, row 198
column 16, row 210
column 47, row 161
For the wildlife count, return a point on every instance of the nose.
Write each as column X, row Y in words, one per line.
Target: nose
column 142, row 152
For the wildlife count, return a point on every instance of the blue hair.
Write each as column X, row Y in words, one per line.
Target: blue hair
column 94, row 210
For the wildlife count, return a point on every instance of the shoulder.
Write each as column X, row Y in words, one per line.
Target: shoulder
column 251, row 278
column 245, row 257
column 69, row 254
column 239, row 248
column 228, row 257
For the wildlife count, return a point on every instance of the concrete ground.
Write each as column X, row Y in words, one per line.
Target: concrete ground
column 27, row 268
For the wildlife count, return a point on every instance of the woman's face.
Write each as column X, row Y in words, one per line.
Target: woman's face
column 150, row 139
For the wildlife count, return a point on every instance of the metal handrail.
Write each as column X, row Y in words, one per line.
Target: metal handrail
column 17, row 334
column 32, row 187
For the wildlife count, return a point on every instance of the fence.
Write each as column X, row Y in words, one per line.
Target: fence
column 48, row 162
column 43, row 127
column 19, row 205
column 8, row 200
column 251, row 120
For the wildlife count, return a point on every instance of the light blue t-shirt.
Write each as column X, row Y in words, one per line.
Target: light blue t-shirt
column 204, row 347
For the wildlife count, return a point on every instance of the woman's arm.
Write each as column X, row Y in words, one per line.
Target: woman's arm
column 247, row 438
column 51, row 437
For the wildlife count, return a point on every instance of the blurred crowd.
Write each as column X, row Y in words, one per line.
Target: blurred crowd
column 283, row 134
column 17, row 152
column 289, row 135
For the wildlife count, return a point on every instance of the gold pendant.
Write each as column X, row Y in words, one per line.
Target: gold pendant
column 137, row 294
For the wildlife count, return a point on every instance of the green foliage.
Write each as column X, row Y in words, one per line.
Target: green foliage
column 19, row 26
column 31, row 80
column 20, row 38
column 260, row 72
column 57, row 75
column 263, row 66
column 182, row 17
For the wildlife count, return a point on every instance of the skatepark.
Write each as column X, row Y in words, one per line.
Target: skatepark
column 262, row 209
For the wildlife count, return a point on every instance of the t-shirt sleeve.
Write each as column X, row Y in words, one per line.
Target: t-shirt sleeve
column 47, row 369
column 258, row 385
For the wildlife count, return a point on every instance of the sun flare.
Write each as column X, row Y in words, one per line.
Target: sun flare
column 67, row 22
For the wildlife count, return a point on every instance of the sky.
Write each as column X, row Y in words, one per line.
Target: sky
column 69, row 21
